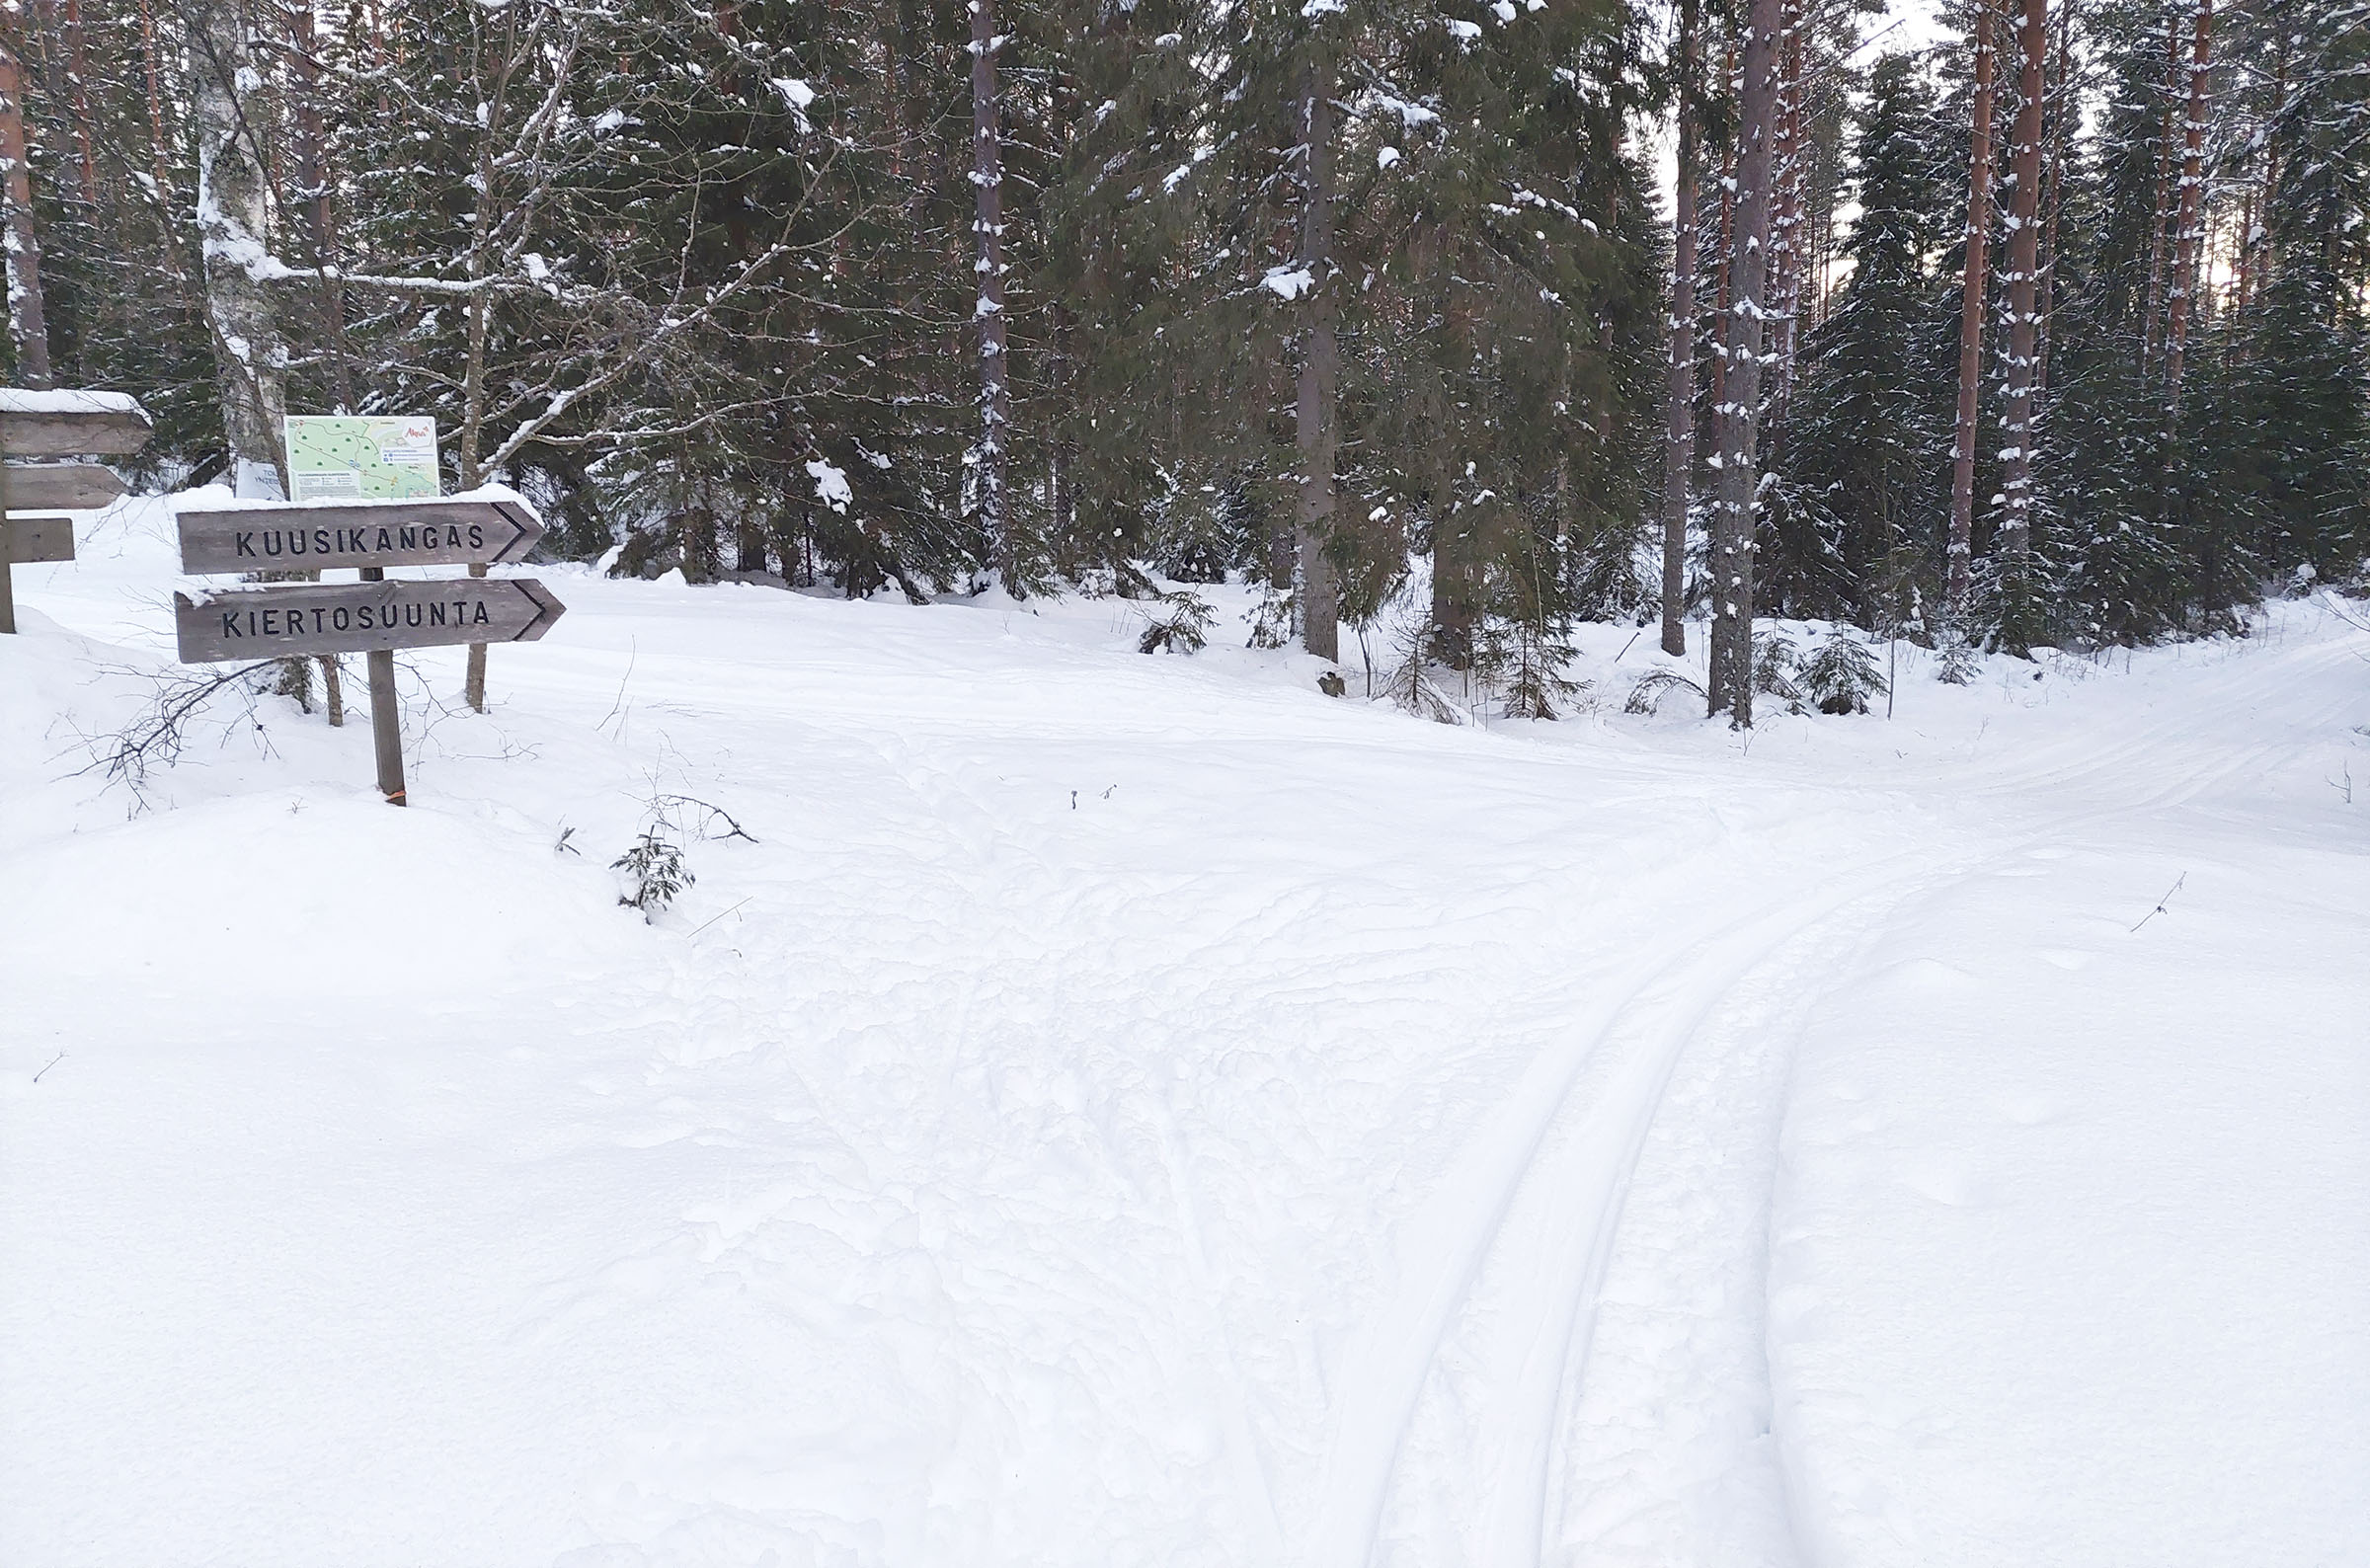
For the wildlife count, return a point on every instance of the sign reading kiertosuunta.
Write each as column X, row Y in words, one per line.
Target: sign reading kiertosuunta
column 356, row 617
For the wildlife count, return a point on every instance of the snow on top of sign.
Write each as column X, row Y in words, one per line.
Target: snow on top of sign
column 219, row 498
column 67, row 400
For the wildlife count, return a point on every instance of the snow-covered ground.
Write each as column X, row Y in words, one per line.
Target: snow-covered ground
column 1128, row 1110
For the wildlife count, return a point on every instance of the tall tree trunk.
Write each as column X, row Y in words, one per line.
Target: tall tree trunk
column 1732, row 547
column 987, row 184
column 1961, row 544
column 78, row 101
column 2189, row 224
column 2024, row 273
column 29, row 327
column 2061, row 95
column 1785, row 287
column 1314, row 408
column 312, row 174
column 233, row 208
column 2154, row 313
column 1679, row 450
column 158, row 140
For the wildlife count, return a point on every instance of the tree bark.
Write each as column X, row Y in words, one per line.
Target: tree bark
column 1961, row 543
column 1679, row 450
column 312, row 174
column 2188, row 225
column 2062, row 93
column 1313, row 408
column 27, row 324
column 233, row 217
column 988, row 184
column 1732, row 547
column 2149, row 342
column 2024, row 273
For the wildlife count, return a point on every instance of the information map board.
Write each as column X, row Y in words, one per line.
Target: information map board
column 338, row 457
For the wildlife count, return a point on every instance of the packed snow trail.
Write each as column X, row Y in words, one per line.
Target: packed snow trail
column 1128, row 1110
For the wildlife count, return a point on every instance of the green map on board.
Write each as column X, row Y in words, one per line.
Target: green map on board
column 337, row 455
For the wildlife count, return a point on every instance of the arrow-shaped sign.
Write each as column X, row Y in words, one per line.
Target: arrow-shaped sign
column 74, row 486
column 454, row 531
column 66, row 423
column 351, row 617
column 25, row 540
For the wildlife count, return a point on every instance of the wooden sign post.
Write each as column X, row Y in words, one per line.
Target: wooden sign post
column 373, row 616
column 48, row 423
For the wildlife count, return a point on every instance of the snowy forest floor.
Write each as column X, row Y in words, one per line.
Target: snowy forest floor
column 1136, row 1110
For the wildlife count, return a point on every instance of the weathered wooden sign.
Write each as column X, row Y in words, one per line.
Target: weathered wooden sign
column 455, row 531
column 27, row 540
column 70, row 424
column 54, row 423
column 75, row 486
column 355, row 617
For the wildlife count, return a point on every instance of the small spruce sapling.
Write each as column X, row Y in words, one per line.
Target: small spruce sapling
column 1841, row 675
column 1958, row 665
column 657, row 873
column 1182, row 626
column 1773, row 670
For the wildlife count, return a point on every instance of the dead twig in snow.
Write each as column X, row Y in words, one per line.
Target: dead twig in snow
column 2161, row 902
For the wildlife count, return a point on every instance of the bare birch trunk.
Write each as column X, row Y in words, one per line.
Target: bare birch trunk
column 1679, row 451
column 1314, row 408
column 233, row 222
column 27, row 324
column 1961, row 544
column 2189, row 227
column 1732, row 546
column 2024, row 273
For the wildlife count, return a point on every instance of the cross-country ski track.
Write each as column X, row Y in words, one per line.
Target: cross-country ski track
column 1135, row 1110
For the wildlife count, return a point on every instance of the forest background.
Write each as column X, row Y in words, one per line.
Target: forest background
column 2048, row 331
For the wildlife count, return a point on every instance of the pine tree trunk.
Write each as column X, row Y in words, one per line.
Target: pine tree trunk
column 2063, row 93
column 1314, row 408
column 988, row 184
column 1679, row 451
column 1785, row 287
column 1961, row 544
column 1732, row 547
column 2148, row 341
column 158, row 169
column 232, row 222
column 2189, row 227
column 312, row 174
column 78, row 101
column 27, row 324
column 2023, row 273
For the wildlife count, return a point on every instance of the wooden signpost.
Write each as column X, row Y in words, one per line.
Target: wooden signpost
column 458, row 531
column 50, row 423
column 374, row 616
column 356, row 617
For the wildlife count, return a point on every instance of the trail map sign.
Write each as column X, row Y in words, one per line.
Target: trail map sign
column 334, row 457
column 355, row 617
column 458, row 530
column 48, row 423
